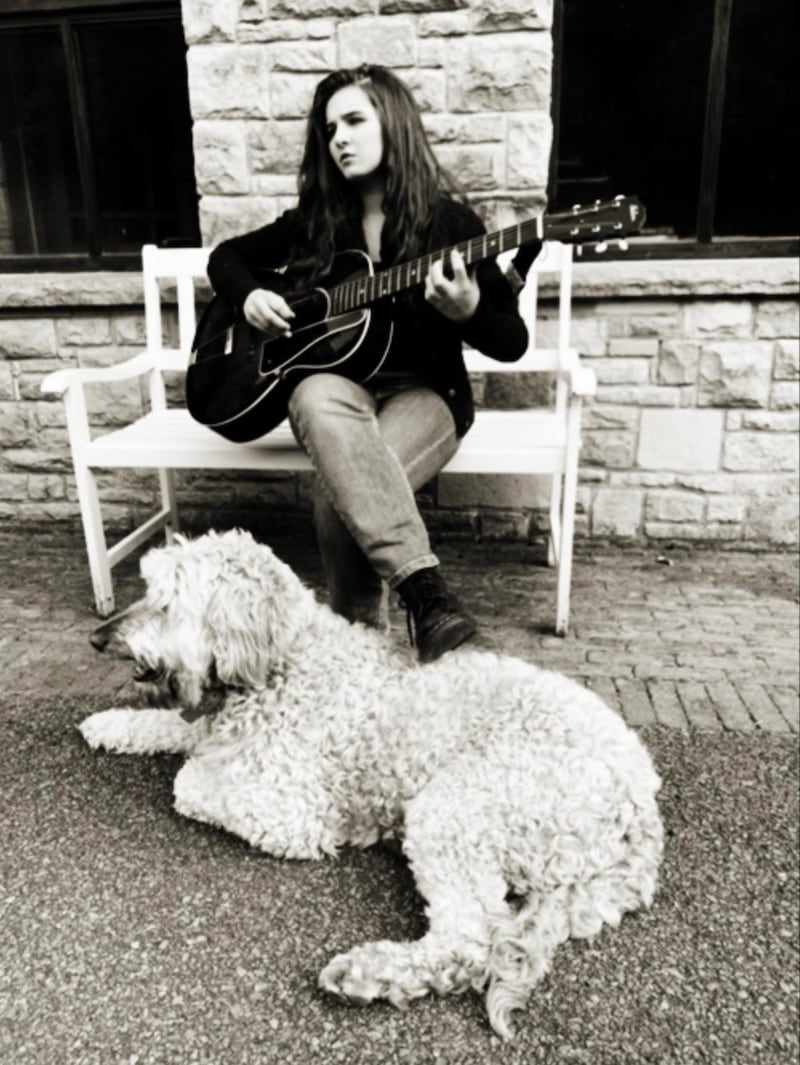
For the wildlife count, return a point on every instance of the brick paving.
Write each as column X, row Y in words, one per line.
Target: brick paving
column 697, row 640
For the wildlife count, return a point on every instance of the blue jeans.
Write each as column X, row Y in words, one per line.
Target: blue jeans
column 372, row 447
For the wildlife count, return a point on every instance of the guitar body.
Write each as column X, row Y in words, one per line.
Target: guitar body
column 240, row 380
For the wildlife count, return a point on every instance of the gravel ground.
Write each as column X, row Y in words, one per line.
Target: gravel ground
column 132, row 936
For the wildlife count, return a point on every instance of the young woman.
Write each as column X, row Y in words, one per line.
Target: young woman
column 369, row 180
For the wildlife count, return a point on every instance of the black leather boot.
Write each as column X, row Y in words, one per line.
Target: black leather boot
column 440, row 622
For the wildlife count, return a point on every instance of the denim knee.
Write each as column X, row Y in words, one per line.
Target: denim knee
column 326, row 395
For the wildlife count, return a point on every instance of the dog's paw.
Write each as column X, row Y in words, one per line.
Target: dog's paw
column 346, row 978
column 109, row 729
column 381, row 970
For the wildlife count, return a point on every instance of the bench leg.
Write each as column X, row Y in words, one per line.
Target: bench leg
column 554, row 532
column 169, row 501
column 565, row 544
column 94, row 535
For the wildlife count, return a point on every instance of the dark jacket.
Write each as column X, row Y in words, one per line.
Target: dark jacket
column 426, row 344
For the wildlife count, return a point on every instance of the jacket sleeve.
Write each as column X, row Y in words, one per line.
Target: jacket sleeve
column 234, row 264
column 496, row 328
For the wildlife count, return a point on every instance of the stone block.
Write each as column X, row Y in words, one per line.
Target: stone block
column 760, row 451
column 704, row 531
column 773, row 521
column 276, row 29
column 32, row 338
column 305, row 56
column 787, row 360
column 7, row 387
column 230, row 81
column 477, row 167
column 226, row 216
column 685, row 440
column 785, row 395
column 606, row 416
column 529, row 140
column 678, row 362
column 633, row 347
column 320, row 8
column 128, row 329
column 613, row 449
column 641, row 396
column 276, row 147
column 361, row 40
column 621, row 371
column 428, row 87
column 446, row 24
column 13, row 486
column 777, row 318
column 291, row 95
column 735, row 373
column 726, row 508
column 616, row 512
column 500, row 72
column 210, row 20
column 718, row 318
column 674, row 506
column 492, row 16
column 220, row 152
column 45, row 486
column 464, row 129
column 775, row 421
column 83, row 332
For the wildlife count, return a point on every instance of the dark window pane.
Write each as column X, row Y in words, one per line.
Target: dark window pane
column 137, row 99
column 41, row 208
column 633, row 94
column 756, row 190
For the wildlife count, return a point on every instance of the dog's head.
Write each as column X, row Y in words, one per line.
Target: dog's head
column 220, row 611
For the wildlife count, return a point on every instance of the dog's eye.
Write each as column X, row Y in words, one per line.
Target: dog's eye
column 146, row 674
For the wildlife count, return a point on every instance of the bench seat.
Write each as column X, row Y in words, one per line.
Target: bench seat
column 531, row 441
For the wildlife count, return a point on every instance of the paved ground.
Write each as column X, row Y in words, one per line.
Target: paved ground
column 707, row 640
column 130, row 936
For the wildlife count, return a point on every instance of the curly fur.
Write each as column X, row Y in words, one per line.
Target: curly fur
column 526, row 806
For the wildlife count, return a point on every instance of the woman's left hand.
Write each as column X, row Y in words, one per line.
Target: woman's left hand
column 457, row 297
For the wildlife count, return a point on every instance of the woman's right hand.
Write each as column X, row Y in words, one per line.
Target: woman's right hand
column 269, row 312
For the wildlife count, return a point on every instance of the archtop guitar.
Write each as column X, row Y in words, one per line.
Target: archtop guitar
column 240, row 379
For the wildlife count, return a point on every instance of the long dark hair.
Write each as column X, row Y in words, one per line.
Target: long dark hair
column 330, row 207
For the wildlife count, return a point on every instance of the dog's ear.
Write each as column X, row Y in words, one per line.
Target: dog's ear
column 252, row 618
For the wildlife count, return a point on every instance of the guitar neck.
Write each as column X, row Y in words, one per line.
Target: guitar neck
column 612, row 219
column 364, row 290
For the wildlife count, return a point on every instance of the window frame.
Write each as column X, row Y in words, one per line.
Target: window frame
column 66, row 15
column 704, row 245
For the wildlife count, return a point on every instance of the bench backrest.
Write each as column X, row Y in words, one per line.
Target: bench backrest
column 179, row 274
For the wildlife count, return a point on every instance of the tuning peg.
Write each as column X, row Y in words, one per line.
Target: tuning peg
column 601, row 247
column 623, row 245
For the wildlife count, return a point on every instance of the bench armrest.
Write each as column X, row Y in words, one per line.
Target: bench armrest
column 59, row 381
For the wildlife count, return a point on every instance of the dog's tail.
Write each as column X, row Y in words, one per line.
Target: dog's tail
column 525, row 936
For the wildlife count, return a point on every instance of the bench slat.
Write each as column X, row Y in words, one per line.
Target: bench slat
column 499, row 441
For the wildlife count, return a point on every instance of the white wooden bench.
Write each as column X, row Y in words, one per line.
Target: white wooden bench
column 532, row 441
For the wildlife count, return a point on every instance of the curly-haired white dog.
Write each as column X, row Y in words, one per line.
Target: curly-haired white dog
column 526, row 806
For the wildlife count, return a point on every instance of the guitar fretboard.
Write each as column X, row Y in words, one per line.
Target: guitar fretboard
column 363, row 290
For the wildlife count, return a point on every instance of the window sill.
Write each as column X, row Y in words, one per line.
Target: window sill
column 728, row 278
column 42, row 293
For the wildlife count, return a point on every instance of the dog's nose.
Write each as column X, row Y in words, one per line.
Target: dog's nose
column 100, row 637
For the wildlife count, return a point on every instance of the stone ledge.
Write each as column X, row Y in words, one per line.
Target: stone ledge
column 634, row 278
column 686, row 277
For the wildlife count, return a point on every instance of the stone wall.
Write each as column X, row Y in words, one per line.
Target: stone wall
column 693, row 435
column 479, row 69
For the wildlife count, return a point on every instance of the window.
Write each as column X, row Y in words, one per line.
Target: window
column 95, row 134
column 689, row 104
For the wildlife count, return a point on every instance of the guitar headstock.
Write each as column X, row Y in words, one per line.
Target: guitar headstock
column 596, row 223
